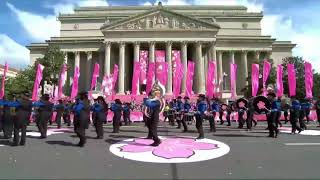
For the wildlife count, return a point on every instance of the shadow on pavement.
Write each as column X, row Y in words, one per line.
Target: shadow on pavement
column 112, row 141
column 62, row 143
column 237, row 135
column 121, row 136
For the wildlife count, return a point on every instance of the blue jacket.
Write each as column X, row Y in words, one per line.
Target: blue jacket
column 152, row 104
column 186, row 107
column 276, row 106
column 202, row 107
column 97, row 108
column 215, row 107
column 295, row 105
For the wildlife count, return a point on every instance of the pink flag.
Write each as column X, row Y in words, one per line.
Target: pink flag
column 162, row 72
column 210, row 84
column 279, row 81
column 135, row 78
column 233, row 78
column 75, row 84
column 189, row 82
column 266, row 72
column 292, row 80
column 62, row 80
column 37, row 82
column 6, row 67
column 115, row 76
column 95, row 76
column 254, row 79
column 150, row 77
column 308, row 75
column 144, row 66
column 107, row 85
column 176, row 58
column 177, row 79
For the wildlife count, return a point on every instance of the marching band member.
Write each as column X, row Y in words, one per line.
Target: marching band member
column 294, row 116
column 273, row 115
column 200, row 114
column 59, row 108
column 186, row 113
column 7, row 119
column 250, row 113
column 171, row 113
column 44, row 108
column 155, row 105
column 304, row 112
column 99, row 108
column 82, row 116
column 317, row 106
column 214, row 109
column 126, row 113
column 66, row 113
column 116, row 108
column 285, row 108
column 241, row 111
column 178, row 111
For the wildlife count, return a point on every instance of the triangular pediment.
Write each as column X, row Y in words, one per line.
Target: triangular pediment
column 160, row 19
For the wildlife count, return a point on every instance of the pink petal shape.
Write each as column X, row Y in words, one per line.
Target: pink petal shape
column 168, row 152
column 143, row 141
column 134, row 148
column 204, row 146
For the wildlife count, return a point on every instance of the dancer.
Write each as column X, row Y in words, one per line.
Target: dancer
column 99, row 109
column 59, row 108
column 126, row 113
column 44, row 108
column 286, row 108
column 156, row 105
column 200, row 114
column 302, row 114
column 82, row 116
column 179, row 109
column 66, row 113
column 214, row 109
column 186, row 113
column 7, row 121
column 116, row 108
column 294, row 116
column 273, row 115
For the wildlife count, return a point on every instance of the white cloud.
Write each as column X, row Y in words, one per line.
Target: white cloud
column 15, row 54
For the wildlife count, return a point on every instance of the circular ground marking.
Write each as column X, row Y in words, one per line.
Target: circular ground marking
column 171, row 150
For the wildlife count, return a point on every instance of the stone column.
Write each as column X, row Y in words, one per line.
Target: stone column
column 136, row 57
column 88, row 70
column 151, row 51
column 213, row 53
column 169, row 61
column 77, row 59
column 66, row 63
column 268, row 54
column 122, row 47
column 200, row 69
column 244, row 59
column 257, row 56
column 184, row 58
column 232, row 57
column 107, row 58
column 220, row 69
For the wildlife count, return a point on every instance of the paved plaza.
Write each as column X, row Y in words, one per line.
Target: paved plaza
column 251, row 155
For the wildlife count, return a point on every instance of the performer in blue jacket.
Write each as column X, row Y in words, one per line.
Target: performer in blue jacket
column 116, row 108
column 294, row 115
column 214, row 109
column 100, row 109
column 186, row 113
column 200, row 114
column 179, row 111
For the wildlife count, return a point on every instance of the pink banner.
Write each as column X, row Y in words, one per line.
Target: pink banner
column 292, row 80
column 210, row 84
column 37, row 82
column 115, row 77
column 107, row 85
column 5, row 70
column 308, row 75
column 177, row 78
column 160, row 55
column 255, row 79
column 176, row 58
column 144, row 66
column 150, row 77
column 162, row 72
column 95, row 76
column 233, row 79
column 62, row 80
column 160, row 59
column 75, row 84
column 279, row 81
column 189, row 82
column 266, row 72
column 135, row 78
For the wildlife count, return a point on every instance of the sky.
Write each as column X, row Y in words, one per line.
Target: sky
column 25, row 21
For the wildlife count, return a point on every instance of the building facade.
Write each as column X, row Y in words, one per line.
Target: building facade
column 116, row 35
column 12, row 72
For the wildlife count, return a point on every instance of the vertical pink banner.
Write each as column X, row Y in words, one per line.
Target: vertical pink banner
column 95, row 76
column 37, row 82
column 189, row 83
column 266, row 72
column 162, row 72
column 160, row 59
column 62, row 80
column 177, row 78
column 135, row 78
column 75, row 84
column 254, row 79
column 233, row 79
column 144, row 56
column 176, row 58
column 210, row 84
column 5, row 70
column 115, row 76
column 150, row 77
column 107, row 85
column 279, row 81
column 292, row 80
column 308, row 75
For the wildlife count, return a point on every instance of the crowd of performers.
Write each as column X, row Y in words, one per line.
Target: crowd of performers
column 15, row 114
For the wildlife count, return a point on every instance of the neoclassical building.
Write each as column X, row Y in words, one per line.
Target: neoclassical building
column 117, row 34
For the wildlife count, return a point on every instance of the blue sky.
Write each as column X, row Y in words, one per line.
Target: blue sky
column 26, row 21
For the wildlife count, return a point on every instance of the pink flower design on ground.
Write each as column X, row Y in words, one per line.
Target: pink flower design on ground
column 170, row 148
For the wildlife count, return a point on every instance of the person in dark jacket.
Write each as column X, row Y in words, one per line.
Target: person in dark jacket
column 99, row 108
column 294, row 116
column 7, row 120
column 214, row 109
column 45, row 108
column 82, row 116
column 126, row 113
column 66, row 113
column 59, row 108
column 23, row 111
column 273, row 116
column 116, row 108
column 317, row 107
column 200, row 114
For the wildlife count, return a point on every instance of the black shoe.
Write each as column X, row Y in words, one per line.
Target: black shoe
column 229, row 125
column 300, row 131
column 22, row 144
column 178, row 127
column 155, row 144
column 200, row 137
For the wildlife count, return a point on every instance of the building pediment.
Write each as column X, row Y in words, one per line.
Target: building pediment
column 159, row 19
